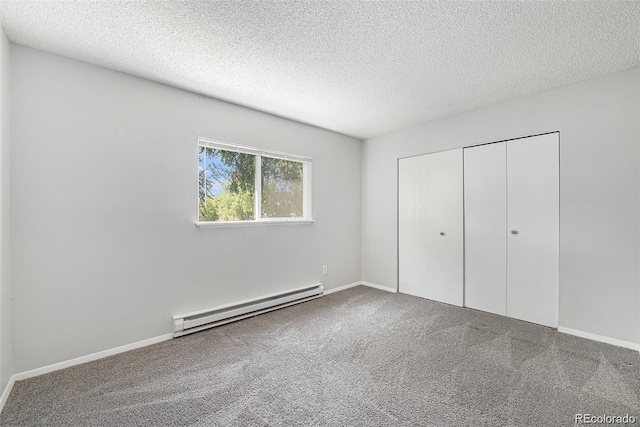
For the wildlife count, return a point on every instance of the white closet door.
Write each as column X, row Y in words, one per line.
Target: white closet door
column 485, row 221
column 412, row 224
column 533, row 224
column 430, row 227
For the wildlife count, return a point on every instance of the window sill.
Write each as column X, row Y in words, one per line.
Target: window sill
column 279, row 221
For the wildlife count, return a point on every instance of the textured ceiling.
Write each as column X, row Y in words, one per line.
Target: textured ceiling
column 362, row 68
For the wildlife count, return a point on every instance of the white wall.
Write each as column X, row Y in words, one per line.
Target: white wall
column 599, row 129
column 104, row 197
column 6, row 355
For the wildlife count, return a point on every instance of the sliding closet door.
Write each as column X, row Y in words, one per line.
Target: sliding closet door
column 533, row 229
column 430, row 226
column 485, row 221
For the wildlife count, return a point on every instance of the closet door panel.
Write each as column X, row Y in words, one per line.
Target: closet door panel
column 430, row 226
column 485, row 207
column 533, row 224
column 412, row 224
column 445, row 227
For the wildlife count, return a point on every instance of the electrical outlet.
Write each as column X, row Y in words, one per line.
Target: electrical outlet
column 324, row 269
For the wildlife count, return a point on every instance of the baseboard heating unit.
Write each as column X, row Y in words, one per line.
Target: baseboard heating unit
column 216, row 316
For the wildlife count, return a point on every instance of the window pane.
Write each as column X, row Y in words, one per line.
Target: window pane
column 227, row 185
column 281, row 188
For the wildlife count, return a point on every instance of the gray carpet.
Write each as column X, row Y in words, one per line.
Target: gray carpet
column 360, row 357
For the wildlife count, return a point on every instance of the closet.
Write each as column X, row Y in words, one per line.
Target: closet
column 507, row 227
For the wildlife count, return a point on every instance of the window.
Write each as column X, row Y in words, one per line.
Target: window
column 239, row 184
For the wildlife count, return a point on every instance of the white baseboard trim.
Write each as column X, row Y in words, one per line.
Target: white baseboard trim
column 341, row 288
column 90, row 357
column 382, row 288
column 77, row 361
column 351, row 285
column 7, row 392
column 601, row 338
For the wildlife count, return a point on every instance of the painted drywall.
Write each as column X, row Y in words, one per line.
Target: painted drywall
column 6, row 352
column 104, row 197
column 599, row 192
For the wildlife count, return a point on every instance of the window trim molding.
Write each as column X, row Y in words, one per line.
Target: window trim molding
column 259, row 153
column 253, row 222
column 212, row 143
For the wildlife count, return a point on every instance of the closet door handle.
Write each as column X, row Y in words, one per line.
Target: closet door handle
column 515, row 232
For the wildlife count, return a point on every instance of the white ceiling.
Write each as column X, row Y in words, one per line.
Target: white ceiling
column 361, row 68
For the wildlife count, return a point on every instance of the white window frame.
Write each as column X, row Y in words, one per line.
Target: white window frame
column 259, row 153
